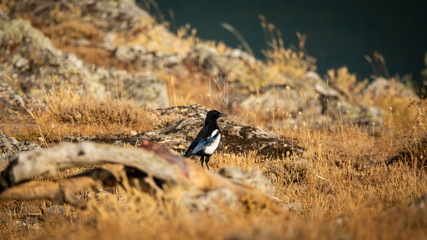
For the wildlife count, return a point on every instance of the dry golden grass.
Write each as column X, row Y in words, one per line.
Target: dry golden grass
column 66, row 33
column 341, row 188
column 332, row 201
column 346, row 83
column 68, row 113
column 285, row 60
column 157, row 38
column 197, row 88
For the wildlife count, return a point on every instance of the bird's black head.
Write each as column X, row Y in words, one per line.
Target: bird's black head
column 213, row 115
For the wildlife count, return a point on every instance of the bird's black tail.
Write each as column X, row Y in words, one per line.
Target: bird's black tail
column 186, row 154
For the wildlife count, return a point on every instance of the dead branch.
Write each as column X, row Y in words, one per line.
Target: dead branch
column 69, row 155
column 152, row 160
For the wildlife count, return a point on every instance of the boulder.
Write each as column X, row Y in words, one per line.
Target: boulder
column 143, row 89
column 382, row 87
column 180, row 125
column 253, row 177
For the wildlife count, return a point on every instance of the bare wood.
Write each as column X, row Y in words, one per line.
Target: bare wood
column 63, row 192
column 153, row 160
column 68, row 155
column 53, row 191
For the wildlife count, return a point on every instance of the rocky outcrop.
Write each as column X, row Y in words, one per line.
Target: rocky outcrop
column 141, row 58
column 29, row 58
column 33, row 64
column 110, row 33
column 179, row 126
column 126, row 37
column 253, row 91
column 143, row 89
column 110, row 15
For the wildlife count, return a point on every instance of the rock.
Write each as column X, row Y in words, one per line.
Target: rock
column 211, row 201
column 382, row 87
column 30, row 58
column 181, row 124
column 119, row 16
column 11, row 101
column 226, row 68
column 145, row 90
column 124, row 54
column 116, row 33
column 310, row 95
column 294, row 206
column 419, row 204
column 252, row 177
column 140, row 58
column 3, row 16
column 10, row 146
column 274, row 97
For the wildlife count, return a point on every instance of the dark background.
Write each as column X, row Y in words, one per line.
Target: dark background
column 339, row 33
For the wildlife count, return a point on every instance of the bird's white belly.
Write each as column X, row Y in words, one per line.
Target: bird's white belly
column 214, row 145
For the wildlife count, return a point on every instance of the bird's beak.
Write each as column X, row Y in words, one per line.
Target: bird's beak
column 223, row 115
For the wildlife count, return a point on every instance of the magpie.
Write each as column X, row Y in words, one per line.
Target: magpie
column 207, row 140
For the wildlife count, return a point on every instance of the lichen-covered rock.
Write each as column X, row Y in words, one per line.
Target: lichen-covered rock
column 10, row 100
column 273, row 97
column 253, row 90
column 9, row 146
column 180, row 125
column 309, row 95
column 382, row 87
column 145, row 90
column 139, row 57
column 252, row 177
column 116, row 33
column 3, row 16
column 110, row 15
column 30, row 59
column 211, row 202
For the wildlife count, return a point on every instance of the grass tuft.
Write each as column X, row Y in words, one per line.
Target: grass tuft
column 68, row 113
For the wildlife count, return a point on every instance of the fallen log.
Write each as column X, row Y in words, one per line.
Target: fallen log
column 63, row 192
column 150, row 161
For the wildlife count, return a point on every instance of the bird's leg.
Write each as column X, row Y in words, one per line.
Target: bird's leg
column 202, row 158
column 207, row 160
